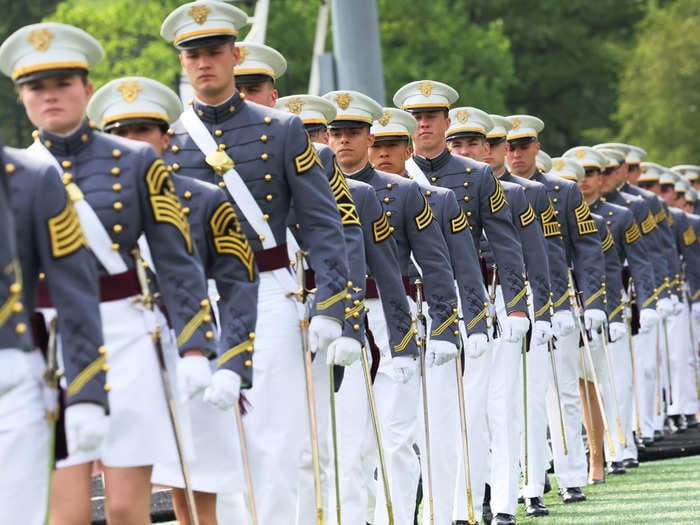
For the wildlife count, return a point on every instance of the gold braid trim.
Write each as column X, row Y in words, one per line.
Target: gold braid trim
column 517, row 298
column 661, row 215
column 586, row 225
column 498, row 198
column 543, row 310
column 561, row 300
column 648, row 224
column 343, row 197
column 550, row 225
column 450, row 320
column 632, row 233
column 689, row 236
column 350, row 312
column 599, row 293
column 696, row 295
column 228, row 238
column 406, row 339
column 88, row 373
column 481, row 315
column 650, row 300
column 194, row 323
column 616, row 311
column 608, row 242
column 233, row 352
column 14, row 296
column 323, row 305
column 425, row 217
column 527, row 217
column 164, row 202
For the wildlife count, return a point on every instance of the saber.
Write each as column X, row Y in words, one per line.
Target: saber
column 492, row 298
column 300, row 295
column 668, row 363
column 335, row 445
column 424, row 383
column 658, row 375
column 465, row 437
column 620, row 434
column 246, row 464
column 587, row 391
column 556, row 389
column 148, row 301
column 628, row 322
column 52, row 376
column 527, row 462
column 377, row 434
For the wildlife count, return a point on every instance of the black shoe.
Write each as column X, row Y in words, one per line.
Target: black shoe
column 647, row 442
column 572, row 495
column 486, row 514
column 503, row 519
column 616, row 467
column 535, row 507
column 691, row 420
column 521, row 500
column 630, row 463
column 681, row 423
column 547, row 484
column 670, row 425
column 658, row 435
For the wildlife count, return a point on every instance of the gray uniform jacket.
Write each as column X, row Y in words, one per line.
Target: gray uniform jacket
column 580, row 236
column 52, row 242
column 630, row 248
column 536, row 194
column 132, row 193
column 692, row 264
column 613, row 270
column 278, row 162
column 463, row 256
column 483, row 201
column 413, row 226
column 227, row 258
column 684, row 240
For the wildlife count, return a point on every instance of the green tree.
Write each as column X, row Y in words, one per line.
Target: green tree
column 659, row 95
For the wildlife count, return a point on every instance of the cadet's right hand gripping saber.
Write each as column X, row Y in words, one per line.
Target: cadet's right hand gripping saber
column 422, row 347
column 300, row 296
column 463, row 429
column 148, row 302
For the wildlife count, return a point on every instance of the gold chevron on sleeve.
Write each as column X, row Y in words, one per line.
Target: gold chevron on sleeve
column 381, row 228
column 689, row 236
column 305, row 160
column 425, row 217
column 459, row 223
column 608, row 242
column 164, row 201
column 65, row 233
column 229, row 239
column 550, row 225
column 527, row 217
column 498, row 198
column 649, row 223
column 343, row 197
column 632, row 233
column 661, row 215
column 586, row 225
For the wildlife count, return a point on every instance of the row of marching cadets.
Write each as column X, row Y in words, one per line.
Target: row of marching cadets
column 296, row 310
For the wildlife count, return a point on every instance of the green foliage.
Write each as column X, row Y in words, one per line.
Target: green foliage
column 659, row 95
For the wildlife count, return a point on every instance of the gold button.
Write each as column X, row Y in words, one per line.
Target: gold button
column 389, row 186
column 9, row 168
column 20, row 328
column 251, row 335
column 388, row 214
column 108, row 387
column 102, row 350
column 186, row 210
column 456, row 332
column 175, row 149
column 35, row 134
column 428, row 193
column 268, row 197
column 268, row 177
column 608, row 223
column 48, row 143
column 116, row 153
column 117, row 205
column 175, row 166
column 209, row 335
column 610, row 213
column 386, row 200
column 261, row 237
column 391, row 229
column 187, row 195
column 469, row 170
column 66, row 164
column 222, row 147
column 84, row 137
column 204, row 303
column 268, row 120
column 200, row 112
column 171, row 132
column 264, row 156
column 105, row 367
column 222, row 184
column 231, row 109
column 465, row 198
column 17, row 307
column 433, row 179
column 555, row 200
column 266, row 217
column 206, row 319
column 356, row 327
column 67, row 178
column 42, row 276
column 263, row 138
column 556, row 188
column 248, row 363
column 115, row 171
column 218, row 132
column 117, row 228
column 249, row 349
column 115, row 246
column 466, row 184
column 469, row 214
column 117, row 187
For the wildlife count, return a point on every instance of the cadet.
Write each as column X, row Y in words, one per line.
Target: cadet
column 472, row 124
column 417, row 237
column 692, row 173
column 583, row 249
column 52, row 240
column 258, row 67
column 142, row 109
column 391, row 149
column 264, row 159
column 121, row 190
column 315, row 112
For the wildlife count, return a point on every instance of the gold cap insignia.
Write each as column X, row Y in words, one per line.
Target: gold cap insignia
column 558, row 164
column 516, row 124
column 386, row 117
column 40, row 39
column 294, row 104
column 199, row 13
column 343, row 100
column 244, row 53
column 426, row 88
column 130, row 90
column 645, row 169
column 462, row 115
column 580, row 153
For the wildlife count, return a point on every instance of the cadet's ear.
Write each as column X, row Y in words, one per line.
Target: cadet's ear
column 275, row 96
column 236, row 54
column 370, row 140
column 537, row 145
column 88, row 89
column 409, row 152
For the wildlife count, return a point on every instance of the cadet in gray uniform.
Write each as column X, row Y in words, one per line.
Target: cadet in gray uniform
column 265, row 159
column 226, row 257
column 120, row 190
column 52, row 241
column 411, row 221
column 390, row 151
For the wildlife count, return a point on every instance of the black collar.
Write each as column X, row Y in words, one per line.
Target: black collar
column 220, row 113
column 70, row 145
column 433, row 164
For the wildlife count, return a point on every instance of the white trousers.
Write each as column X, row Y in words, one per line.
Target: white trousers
column 624, row 387
column 570, row 468
column 645, row 358
column 690, row 396
column 24, row 448
column 682, row 380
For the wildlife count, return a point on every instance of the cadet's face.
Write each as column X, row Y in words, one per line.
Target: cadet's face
column 350, row 147
column 651, row 186
column 522, row 158
column 496, row 156
column 696, row 184
column 263, row 93
column 630, row 172
column 429, row 138
column 668, row 194
column 592, row 184
column 209, row 70
column 320, row 136
column 149, row 133
column 689, row 207
column 56, row 104
column 610, row 181
column 472, row 147
column 390, row 155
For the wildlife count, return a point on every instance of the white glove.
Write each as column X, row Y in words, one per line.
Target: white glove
column 477, row 345
column 439, row 352
column 343, row 351
column 617, row 331
column 403, row 368
column 594, row 319
column 14, row 368
column 542, row 333
column 515, row 328
column 648, row 319
column 563, row 323
column 322, row 331
column 86, row 427
column 193, row 375
column 664, row 307
column 677, row 305
column 224, row 389
column 695, row 312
